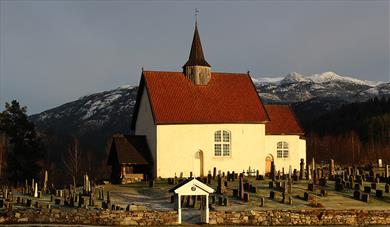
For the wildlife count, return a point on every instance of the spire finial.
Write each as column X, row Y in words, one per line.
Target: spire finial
column 196, row 16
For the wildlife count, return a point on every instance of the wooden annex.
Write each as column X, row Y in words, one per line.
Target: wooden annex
column 128, row 158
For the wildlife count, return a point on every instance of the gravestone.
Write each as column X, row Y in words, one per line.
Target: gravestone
column 272, row 195
column 331, row 169
column 290, row 200
column 241, row 187
column 225, row 201
column 324, row 193
column 273, row 171
column 246, row 197
column 310, row 187
column 308, row 175
column 366, row 197
column 235, row 193
column 46, row 178
column 357, row 195
column 380, row 163
column 221, row 187
column 379, row 193
column 357, row 187
column 301, row 169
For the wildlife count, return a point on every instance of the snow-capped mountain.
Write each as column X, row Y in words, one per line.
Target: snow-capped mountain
column 297, row 88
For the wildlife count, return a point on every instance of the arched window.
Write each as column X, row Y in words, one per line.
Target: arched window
column 222, row 143
column 282, row 149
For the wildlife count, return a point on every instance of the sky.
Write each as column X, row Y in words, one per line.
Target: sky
column 53, row 52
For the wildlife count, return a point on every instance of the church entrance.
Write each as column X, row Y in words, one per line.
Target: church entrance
column 268, row 160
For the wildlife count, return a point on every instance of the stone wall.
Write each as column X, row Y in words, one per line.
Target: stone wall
column 121, row 217
column 87, row 216
column 302, row 217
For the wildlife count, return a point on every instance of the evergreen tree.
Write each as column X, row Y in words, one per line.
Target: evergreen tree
column 26, row 153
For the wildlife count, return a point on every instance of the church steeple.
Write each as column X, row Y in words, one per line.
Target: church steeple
column 197, row 68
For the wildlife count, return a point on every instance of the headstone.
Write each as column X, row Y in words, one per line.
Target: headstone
column 379, row 193
column 357, row 187
column 380, row 163
column 36, row 190
column 289, row 186
column 366, row 197
column 45, row 181
column 32, row 186
column 331, row 169
column 323, row 181
column 273, row 171
column 272, row 195
column 225, row 201
column 235, row 193
column 241, row 187
column 254, row 189
column 306, row 196
column 27, row 188
column 108, row 197
column 310, row 187
column 261, row 201
column 221, row 187
column 313, row 165
column 220, row 200
column 301, row 169
column 357, row 195
column 209, row 178
column 315, row 177
column 246, row 197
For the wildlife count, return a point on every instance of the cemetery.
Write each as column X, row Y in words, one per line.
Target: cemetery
column 314, row 194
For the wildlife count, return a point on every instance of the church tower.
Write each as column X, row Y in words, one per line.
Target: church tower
column 196, row 68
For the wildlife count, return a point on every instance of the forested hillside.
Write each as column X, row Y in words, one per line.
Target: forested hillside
column 355, row 133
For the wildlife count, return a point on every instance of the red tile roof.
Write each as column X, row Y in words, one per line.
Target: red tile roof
column 282, row 121
column 227, row 98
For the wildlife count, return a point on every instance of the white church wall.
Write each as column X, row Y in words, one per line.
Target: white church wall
column 177, row 147
column 296, row 151
column 145, row 123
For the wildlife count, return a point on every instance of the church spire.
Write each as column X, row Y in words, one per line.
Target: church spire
column 197, row 69
column 196, row 54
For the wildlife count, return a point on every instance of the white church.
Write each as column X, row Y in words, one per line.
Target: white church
column 191, row 121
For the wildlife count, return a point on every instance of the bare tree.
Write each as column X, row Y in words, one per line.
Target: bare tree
column 72, row 161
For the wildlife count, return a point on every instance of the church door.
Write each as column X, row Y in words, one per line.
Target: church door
column 268, row 161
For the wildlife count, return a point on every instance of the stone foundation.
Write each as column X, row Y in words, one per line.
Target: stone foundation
column 302, row 217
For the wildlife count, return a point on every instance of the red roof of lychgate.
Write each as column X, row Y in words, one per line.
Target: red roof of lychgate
column 227, row 98
column 282, row 121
